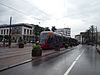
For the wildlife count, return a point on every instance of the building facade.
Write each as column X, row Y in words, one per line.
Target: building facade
column 82, row 37
column 79, row 38
column 22, row 30
column 64, row 31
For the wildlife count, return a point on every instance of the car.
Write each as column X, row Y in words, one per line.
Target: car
column 91, row 43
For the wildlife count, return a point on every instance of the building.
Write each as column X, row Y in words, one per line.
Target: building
column 79, row 38
column 22, row 30
column 82, row 37
column 64, row 31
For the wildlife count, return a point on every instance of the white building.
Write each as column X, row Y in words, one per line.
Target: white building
column 64, row 31
column 25, row 31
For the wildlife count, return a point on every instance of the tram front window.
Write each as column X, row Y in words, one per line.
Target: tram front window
column 43, row 38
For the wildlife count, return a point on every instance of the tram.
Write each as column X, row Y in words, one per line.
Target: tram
column 50, row 40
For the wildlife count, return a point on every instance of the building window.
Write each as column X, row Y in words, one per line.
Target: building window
column 30, row 32
column 24, row 31
column 1, row 31
column 7, row 31
column 4, row 31
column 27, row 31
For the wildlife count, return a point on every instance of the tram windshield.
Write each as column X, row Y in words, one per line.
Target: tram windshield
column 43, row 37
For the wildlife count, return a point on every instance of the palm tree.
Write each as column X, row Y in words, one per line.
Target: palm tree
column 92, row 30
column 87, row 36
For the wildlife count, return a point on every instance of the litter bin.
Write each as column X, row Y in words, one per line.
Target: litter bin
column 21, row 43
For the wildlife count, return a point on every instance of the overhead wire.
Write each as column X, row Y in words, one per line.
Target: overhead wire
column 35, row 7
column 18, row 11
column 21, row 12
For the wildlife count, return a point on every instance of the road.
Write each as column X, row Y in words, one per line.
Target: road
column 81, row 60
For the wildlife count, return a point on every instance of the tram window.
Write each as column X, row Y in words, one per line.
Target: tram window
column 42, row 41
column 50, row 39
column 44, row 36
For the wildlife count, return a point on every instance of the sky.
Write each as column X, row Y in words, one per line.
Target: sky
column 78, row 15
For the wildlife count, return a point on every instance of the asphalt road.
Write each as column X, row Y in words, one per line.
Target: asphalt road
column 81, row 60
column 88, row 64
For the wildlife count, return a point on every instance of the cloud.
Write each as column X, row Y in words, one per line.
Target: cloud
column 76, row 14
column 84, row 10
column 20, row 10
column 53, row 7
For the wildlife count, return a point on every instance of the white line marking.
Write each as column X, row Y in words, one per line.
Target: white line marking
column 69, row 69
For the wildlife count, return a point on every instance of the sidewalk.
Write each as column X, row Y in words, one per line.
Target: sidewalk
column 14, row 45
column 11, row 61
column 9, row 52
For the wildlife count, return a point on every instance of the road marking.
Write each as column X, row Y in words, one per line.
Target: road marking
column 70, row 68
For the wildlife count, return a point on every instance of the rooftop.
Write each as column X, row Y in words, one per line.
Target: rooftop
column 14, row 25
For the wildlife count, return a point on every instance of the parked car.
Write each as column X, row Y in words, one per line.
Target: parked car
column 91, row 43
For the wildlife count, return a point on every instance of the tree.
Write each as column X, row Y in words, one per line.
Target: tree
column 37, row 30
column 47, row 29
column 53, row 28
column 89, row 35
column 92, row 32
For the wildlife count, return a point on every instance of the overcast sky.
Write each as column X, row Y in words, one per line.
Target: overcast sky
column 78, row 15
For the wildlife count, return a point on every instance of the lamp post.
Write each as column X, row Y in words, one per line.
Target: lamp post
column 10, row 32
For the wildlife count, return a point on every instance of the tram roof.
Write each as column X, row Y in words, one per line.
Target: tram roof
column 54, row 33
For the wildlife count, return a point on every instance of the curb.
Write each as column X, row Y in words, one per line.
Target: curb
column 35, row 58
column 14, row 65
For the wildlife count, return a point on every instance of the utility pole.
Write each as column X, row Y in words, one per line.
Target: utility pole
column 10, row 32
